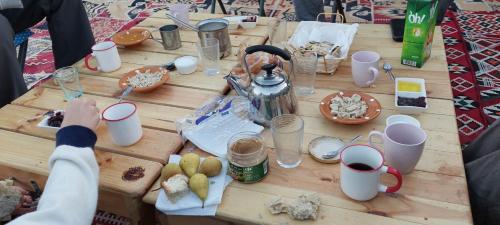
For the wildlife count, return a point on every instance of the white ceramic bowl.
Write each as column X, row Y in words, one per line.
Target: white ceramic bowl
column 234, row 21
column 186, row 64
column 44, row 123
column 248, row 25
column 408, row 94
column 401, row 119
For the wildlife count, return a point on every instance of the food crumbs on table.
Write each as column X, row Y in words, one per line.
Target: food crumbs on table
column 133, row 173
column 304, row 208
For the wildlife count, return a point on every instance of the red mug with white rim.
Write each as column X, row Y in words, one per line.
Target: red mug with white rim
column 123, row 123
column 106, row 55
column 360, row 170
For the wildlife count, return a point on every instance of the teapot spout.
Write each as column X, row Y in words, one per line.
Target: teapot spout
column 238, row 84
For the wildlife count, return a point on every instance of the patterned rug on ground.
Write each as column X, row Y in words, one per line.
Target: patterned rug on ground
column 475, row 82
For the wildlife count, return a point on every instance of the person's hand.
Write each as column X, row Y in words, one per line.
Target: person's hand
column 24, row 206
column 82, row 112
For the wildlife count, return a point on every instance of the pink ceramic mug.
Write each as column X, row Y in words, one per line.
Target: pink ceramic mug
column 360, row 171
column 403, row 145
column 364, row 65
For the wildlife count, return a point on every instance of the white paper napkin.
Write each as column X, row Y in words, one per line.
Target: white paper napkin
column 190, row 204
column 213, row 134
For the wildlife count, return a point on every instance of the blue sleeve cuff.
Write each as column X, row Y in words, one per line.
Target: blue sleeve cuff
column 76, row 136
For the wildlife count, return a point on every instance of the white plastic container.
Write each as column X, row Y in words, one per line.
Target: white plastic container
column 186, row 64
column 408, row 94
column 44, row 123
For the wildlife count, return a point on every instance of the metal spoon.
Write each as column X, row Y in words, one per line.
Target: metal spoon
column 388, row 70
column 332, row 154
column 125, row 93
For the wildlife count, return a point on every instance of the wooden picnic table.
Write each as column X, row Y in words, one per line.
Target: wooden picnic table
column 435, row 193
column 25, row 148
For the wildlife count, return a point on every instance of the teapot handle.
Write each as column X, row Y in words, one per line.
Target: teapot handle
column 268, row 49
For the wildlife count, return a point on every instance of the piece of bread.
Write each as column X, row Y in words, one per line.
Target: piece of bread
column 176, row 187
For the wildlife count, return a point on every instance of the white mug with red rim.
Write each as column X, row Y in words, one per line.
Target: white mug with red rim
column 106, row 55
column 364, row 66
column 360, row 171
column 123, row 123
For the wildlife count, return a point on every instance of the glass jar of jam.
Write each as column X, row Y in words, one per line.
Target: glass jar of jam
column 247, row 156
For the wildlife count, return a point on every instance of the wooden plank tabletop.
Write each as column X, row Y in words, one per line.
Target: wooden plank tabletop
column 26, row 148
column 435, row 193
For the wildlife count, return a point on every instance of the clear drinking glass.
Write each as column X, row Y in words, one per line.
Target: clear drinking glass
column 277, row 32
column 288, row 135
column 304, row 73
column 209, row 53
column 68, row 79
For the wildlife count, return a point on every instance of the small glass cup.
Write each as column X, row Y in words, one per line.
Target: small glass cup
column 304, row 73
column 209, row 53
column 277, row 32
column 288, row 135
column 68, row 79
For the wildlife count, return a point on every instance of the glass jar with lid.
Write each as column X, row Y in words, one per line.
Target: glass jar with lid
column 247, row 156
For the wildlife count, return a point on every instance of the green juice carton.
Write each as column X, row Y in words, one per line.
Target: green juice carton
column 419, row 30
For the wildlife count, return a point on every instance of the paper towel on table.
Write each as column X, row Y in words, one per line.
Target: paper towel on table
column 213, row 134
column 190, row 204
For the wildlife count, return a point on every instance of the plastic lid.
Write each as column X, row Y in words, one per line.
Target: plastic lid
column 322, row 145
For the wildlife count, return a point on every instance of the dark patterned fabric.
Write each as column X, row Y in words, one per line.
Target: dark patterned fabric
column 472, row 43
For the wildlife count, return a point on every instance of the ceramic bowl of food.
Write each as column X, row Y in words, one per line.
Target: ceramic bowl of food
column 249, row 22
column 411, row 96
column 234, row 21
column 145, row 79
column 349, row 107
column 52, row 120
column 131, row 37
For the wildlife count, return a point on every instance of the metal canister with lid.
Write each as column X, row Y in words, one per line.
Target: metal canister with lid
column 247, row 156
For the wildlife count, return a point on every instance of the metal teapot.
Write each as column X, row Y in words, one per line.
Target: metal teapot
column 271, row 92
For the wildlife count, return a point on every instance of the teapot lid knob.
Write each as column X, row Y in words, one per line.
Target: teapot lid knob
column 269, row 68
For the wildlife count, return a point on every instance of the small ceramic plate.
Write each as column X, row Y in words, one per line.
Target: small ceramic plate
column 374, row 108
column 123, row 81
column 44, row 123
column 322, row 145
column 131, row 37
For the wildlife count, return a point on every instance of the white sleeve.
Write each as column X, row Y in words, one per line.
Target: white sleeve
column 70, row 194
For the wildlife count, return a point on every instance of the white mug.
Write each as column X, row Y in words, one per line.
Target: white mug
column 364, row 65
column 403, row 145
column 360, row 171
column 106, row 55
column 123, row 123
